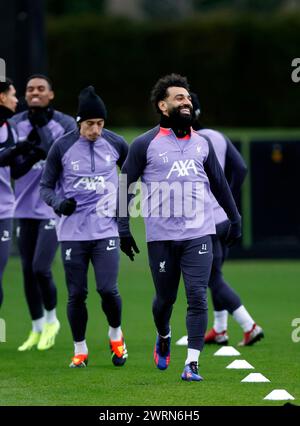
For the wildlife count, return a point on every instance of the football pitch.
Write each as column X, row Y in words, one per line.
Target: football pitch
column 269, row 289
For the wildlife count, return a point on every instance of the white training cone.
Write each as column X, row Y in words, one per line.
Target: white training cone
column 183, row 341
column 240, row 364
column 227, row 351
column 279, row 395
column 255, row 378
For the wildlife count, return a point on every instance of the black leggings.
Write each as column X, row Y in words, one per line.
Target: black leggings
column 223, row 296
column 192, row 258
column 5, row 241
column 104, row 256
column 37, row 243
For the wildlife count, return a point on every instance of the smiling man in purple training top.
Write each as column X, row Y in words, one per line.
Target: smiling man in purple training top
column 40, row 125
column 16, row 158
column 85, row 164
column 173, row 154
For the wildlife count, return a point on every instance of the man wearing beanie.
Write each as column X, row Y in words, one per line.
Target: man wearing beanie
column 85, row 163
column 176, row 157
column 37, row 240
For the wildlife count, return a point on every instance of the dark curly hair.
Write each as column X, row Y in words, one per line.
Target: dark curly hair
column 159, row 91
column 42, row 77
column 4, row 85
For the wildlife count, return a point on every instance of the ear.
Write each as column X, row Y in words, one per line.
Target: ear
column 162, row 105
column 51, row 95
column 2, row 98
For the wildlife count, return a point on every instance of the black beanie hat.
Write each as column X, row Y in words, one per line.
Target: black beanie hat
column 90, row 105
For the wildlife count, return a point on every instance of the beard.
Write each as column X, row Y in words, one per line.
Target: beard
column 180, row 120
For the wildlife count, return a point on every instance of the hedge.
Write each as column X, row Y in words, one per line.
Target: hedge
column 240, row 65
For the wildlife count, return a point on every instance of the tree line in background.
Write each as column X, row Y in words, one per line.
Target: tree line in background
column 160, row 8
column 240, row 65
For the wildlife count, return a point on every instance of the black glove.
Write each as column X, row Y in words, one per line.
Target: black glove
column 40, row 152
column 34, row 137
column 67, row 207
column 40, row 116
column 21, row 148
column 128, row 246
column 234, row 233
column 39, row 146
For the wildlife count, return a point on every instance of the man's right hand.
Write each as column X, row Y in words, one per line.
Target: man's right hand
column 129, row 247
column 67, row 207
column 234, row 233
column 33, row 137
column 39, row 146
column 21, row 148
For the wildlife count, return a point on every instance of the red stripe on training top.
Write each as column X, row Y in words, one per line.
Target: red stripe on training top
column 162, row 132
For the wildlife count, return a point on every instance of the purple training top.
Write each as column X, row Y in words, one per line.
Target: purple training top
column 231, row 162
column 191, row 167
column 7, row 198
column 86, row 171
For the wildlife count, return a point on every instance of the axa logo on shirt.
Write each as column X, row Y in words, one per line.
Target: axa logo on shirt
column 89, row 183
column 183, row 168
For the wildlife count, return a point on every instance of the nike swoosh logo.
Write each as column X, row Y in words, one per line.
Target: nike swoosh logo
column 110, row 248
column 163, row 153
column 5, row 239
column 203, row 252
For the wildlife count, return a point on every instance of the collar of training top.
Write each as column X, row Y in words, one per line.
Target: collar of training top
column 40, row 115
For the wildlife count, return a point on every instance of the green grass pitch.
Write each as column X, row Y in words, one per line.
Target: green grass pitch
column 269, row 289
